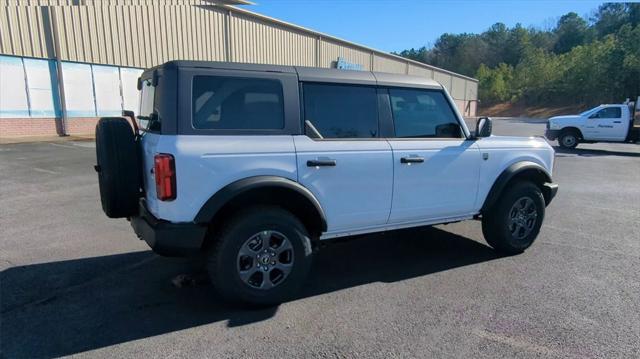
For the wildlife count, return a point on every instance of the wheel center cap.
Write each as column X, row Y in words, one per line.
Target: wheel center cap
column 263, row 258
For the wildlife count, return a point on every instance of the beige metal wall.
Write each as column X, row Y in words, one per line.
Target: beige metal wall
column 145, row 33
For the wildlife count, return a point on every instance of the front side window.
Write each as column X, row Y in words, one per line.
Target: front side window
column 423, row 113
column 341, row 111
column 608, row 112
column 231, row 103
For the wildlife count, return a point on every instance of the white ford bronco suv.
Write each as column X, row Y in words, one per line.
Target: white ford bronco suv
column 253, row 165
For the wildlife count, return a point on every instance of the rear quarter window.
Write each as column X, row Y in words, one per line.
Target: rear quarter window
column 225, row 103
column 148, row 117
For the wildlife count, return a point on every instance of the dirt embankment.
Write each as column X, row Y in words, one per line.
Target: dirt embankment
column 520, row 110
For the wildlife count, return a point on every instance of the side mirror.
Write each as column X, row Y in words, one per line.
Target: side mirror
column 484, row 127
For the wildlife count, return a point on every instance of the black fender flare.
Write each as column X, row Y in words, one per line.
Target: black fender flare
column 234, row 189
column 509, row 173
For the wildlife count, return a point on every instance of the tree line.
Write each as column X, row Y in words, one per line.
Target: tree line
column 579, row 61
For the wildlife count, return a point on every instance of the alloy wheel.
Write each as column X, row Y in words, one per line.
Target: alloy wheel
column 265, row 260
column 522, row 218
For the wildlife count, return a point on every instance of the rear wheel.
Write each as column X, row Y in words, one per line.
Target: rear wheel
column 513, row 223
column 261, row 257
column 569, row 139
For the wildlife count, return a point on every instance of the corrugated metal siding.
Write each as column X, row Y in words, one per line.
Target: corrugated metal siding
column 457, row 88
column 145, row 33
column 255, row 41
column 386, row 64
column 24, row 31
column 103, row 2
column 420, row 71
column 330, row 51
column 472, row 90
column 443, row 78
column 133, row 35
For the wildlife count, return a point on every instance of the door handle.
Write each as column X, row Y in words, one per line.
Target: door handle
column 321, row 163
column 411, row 159
column 617, row 121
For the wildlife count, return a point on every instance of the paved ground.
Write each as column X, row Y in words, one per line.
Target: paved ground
column 74, row 282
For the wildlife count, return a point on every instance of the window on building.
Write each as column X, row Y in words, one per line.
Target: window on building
column 423, row 113
column 78, row 87
column 237, row 103
column 41, row 83
column 341, row 111
column 129, row 83
column 13, row 92
column 106, row 82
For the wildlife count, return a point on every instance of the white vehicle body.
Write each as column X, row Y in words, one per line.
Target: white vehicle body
column 369, row 191
column 251, row 165
column 604, row 123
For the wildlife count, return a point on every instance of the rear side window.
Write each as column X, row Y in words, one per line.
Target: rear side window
column 423, row 113
column 237, row 103
column 148, row 119
column 341, row 111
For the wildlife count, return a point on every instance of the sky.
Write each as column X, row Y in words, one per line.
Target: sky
column 395, row 25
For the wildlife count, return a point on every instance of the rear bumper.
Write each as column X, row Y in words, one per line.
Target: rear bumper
column 166, row 238
column 550, row 191
column 552, row 134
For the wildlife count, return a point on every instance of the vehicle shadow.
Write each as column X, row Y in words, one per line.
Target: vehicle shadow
column 68, row 307
column 583, row 152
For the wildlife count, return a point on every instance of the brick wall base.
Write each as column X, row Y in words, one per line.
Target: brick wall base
column 21, row 127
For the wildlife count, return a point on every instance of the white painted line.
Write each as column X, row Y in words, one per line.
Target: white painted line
column 60, row 145
column 44, row 171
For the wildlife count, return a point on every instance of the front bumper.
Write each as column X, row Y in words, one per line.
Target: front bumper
column 166, row 238
column 550, row 191
column 551, row 134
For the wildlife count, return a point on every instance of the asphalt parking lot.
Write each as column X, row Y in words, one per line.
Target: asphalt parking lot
column 75, row 282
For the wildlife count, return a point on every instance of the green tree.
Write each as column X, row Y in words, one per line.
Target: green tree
column 610, row 17
column 571, row 31
column 494, row 83
column 576, row 62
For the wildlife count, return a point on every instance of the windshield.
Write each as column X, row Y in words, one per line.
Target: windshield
column 587, row 112
column 148, row 119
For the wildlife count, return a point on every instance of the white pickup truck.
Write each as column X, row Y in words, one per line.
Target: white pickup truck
column 605, row 123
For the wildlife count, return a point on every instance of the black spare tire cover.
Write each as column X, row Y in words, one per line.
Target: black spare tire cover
column 118, row 167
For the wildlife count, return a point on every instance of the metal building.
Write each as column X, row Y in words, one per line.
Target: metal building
column 63, row 63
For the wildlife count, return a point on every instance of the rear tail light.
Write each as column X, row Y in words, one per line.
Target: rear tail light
column 165, row 173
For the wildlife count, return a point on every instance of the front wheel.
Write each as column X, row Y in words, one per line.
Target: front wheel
column 513, row 223
column 261, row 257
column 568, row 140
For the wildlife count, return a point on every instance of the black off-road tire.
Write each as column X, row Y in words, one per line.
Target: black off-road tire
column 496, row 221
column 224, row 262
column 118, row 167
column 569, row 139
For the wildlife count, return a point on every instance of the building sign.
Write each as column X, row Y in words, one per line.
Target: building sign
column 343, row 64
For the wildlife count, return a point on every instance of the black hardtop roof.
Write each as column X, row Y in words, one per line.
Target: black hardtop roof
column 310, row 74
